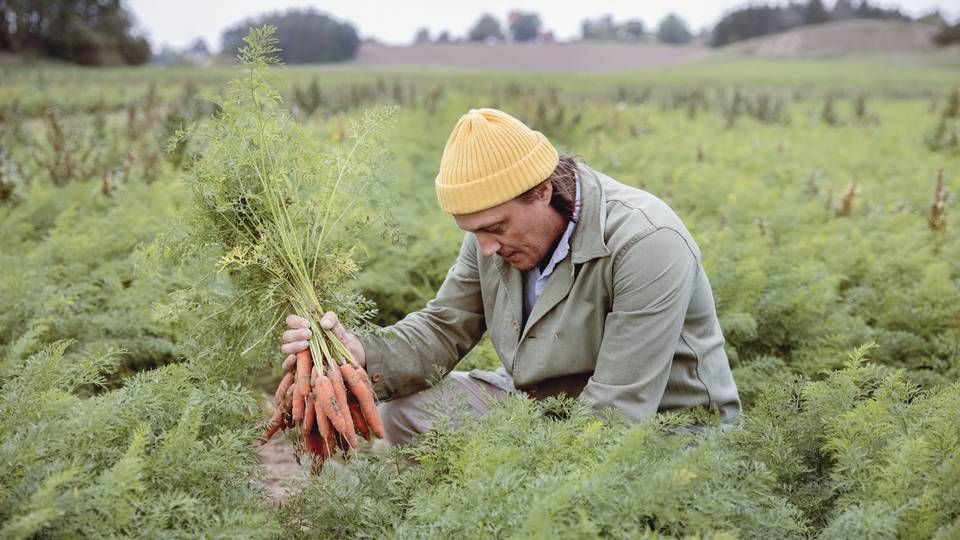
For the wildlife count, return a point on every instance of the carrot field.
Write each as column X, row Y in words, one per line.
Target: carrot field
column 823, row 194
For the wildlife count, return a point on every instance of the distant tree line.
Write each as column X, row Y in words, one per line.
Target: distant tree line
column 606, row 29
column 949, row 34
column 527, row 26
column 671, row 30
column 760, row 20
column 751, row 21
column 304, row 36
column 100, row 32
column 89, row 32
column 521, row 27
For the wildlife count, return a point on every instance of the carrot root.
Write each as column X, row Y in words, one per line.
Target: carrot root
column 276, row 421
column 282, row 389
column 309, row 414
column 298, row 405
column 361, row 388
column 340, row 392
column 329, row 404
column 358, row 421
column 304, row 366
column 325, row 429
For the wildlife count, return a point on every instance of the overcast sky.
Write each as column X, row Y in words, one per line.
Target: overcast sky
column 179, row 22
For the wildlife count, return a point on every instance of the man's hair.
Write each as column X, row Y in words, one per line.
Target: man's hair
column 564, row 182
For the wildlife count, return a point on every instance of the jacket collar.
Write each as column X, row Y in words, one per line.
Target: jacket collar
column 587, row 242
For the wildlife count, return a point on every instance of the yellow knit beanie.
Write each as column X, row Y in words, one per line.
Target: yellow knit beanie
column 490, row 158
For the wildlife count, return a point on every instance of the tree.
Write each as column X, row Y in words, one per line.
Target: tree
column 604, row 28
column 948, row 35
column 486, row 28
column 91, row 32
column 524, row 26
column 423, row 36
column 673, row 30
column 444, row 37
column 866, row 11
column 601, row 28
column 199, row 47
column 304, row 35
column 934, row 18
column 815, row 13
column 842, row 10
column 633, row 30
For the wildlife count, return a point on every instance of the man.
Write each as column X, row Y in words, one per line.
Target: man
column 586, row 286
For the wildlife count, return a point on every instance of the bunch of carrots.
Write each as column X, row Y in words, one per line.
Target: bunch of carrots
column 331, row 406
column 276, row 204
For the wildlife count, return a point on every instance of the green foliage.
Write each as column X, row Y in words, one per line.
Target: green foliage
column 304, row 36
column 945, row 136
column 70, row 271
column 81, row 31
column 280, row 210
column 486, row 28
column 816, row 238
column 858, row 454
column 673, row 30
column 525, row 26
column 168, row 454
column 864, row 453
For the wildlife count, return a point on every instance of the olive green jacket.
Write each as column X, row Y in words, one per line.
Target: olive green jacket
column 626, row 320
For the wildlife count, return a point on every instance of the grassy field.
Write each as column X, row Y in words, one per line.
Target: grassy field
column 811, row 187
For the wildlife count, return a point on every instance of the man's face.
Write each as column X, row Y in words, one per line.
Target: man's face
column 521, row 232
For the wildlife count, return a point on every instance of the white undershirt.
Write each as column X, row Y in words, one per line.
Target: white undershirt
column 534, row 280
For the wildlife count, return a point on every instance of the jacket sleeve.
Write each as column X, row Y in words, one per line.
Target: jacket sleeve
column 653, row 282
column 408, row 355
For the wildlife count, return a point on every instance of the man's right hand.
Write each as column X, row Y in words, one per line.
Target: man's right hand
column 297, row 338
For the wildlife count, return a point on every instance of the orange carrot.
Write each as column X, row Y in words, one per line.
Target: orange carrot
column 275, row 422
column 343, row 443
column 331, row 407
column 360, row 386
column 285, row 383
column 313, row 442
column 287, row 406
column 325, row 429
column 309, row 414
column 357, row 416
column 298, row 404
column 340, row 392
column 304, row 366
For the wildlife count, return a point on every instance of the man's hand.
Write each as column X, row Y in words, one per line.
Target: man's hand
column 297, row 339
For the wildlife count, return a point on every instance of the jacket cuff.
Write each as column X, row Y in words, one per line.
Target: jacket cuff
column 374, row 353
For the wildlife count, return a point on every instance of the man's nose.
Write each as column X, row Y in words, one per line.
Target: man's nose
column 488, row 246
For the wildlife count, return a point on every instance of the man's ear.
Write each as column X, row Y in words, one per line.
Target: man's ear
column 546, row 193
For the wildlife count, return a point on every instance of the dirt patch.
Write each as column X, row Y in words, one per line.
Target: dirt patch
column 283, row 474
column 532, row 57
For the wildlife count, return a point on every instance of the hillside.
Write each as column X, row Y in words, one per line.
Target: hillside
column 532, row 57
column 843, row 38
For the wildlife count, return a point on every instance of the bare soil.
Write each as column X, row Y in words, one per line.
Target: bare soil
column 532, row 57
column 283, row 473
column 836, row 39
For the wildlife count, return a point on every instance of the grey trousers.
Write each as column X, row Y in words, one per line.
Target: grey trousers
column 456, row 397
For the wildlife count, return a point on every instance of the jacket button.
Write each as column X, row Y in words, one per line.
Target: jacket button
column 376, row 378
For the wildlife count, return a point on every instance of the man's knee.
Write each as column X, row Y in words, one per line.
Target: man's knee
column 399, row 424
column 456, row 397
